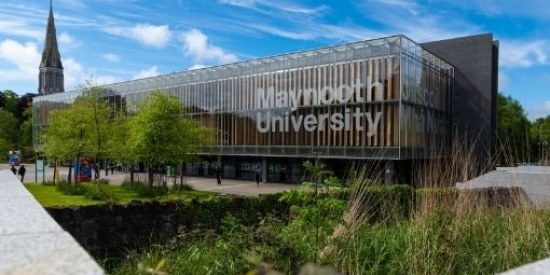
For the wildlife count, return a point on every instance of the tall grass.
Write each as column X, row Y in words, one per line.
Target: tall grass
column 462, row 234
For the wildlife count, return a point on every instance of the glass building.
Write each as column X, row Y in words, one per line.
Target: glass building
column 383, row 99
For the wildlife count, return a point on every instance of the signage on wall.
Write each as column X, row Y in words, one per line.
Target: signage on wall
column 271, row 98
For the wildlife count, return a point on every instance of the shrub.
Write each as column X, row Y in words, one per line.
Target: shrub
column 96, row 192
column 76, row 189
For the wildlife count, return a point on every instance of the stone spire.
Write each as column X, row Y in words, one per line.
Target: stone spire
column 50, row 78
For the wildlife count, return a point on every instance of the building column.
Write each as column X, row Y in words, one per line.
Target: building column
column 389, row 173
column 264, row 169
column 219, row 161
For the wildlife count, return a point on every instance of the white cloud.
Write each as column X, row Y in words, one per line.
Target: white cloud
column 16, row 26
column 152, row 36
column 68, row 42
column 197, row 46
column 148, row 35
column 285, row 6
column 240, row 3
column 24, row 60
column 76, row 76
column 147, row 73
column 406, row 4
column 298, row 35
column 111, row 57
column 516, row 54
column 72, row 73
column 197, row 66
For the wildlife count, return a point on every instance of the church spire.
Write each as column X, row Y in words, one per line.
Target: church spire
column 50, row 78
column 50, row 55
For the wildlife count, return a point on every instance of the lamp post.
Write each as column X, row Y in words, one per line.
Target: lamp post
column 316, row 179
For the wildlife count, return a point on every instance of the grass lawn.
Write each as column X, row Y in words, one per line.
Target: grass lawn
column 49, row 196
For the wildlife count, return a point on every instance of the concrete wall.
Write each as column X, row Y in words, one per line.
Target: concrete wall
column 476, row 86
column 31, row 242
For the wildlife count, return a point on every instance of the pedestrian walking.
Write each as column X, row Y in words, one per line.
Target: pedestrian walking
column 258, row 178
column 21, row 172
column 13, row 170
column 96, row 171
column 219, row 175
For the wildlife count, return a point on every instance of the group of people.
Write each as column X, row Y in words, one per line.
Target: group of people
column 257, row 176
column 22, row 170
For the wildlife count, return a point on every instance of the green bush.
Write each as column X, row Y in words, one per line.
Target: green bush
column 74, row 189
column 96, row 192
column 234, row 249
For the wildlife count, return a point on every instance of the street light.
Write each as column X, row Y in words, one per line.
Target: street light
column 316, row 175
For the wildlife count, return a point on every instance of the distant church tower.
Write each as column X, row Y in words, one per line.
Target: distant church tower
column 50, row 78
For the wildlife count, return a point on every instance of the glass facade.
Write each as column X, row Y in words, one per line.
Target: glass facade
column 386, row 98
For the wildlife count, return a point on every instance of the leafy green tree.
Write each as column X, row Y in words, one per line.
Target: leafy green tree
column 160, row 135
column 513, row 129
column 80, row 131
column 8, row 132
column 10, row 101
column 540, row 138
column 118, row 142
column 2, row 100
column 25, row 135
column 65, row 138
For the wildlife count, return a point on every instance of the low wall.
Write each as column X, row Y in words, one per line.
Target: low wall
column 31, row 242
column 109, row 231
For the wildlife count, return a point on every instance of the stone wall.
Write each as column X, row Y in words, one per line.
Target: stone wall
column 108, row 231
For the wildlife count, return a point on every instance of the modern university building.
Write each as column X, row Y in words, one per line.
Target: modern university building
column 389, row 99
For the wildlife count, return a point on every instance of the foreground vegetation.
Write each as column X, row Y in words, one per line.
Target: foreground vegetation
column 361, row 229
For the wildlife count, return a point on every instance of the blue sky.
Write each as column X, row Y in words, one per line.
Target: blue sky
column 115, row 40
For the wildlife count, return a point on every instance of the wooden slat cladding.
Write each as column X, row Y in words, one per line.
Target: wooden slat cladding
column 355, row 111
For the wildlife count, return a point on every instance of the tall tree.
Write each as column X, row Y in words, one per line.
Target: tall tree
column 513, row 129
column 10, row 104
column 2, row 100
column 118, row 143
column 160, row 135
column 80, row 131
column 8, row 132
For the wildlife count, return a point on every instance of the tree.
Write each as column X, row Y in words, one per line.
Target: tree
column 8, row 131
column 160, row 135
column 540, row 138
column 79, row 131
column 2, row 100
column 25, row 135
column 513, row 129
column 10, row 104
column 23, row 103
column 118, row 142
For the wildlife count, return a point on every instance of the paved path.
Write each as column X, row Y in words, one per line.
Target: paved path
column 229, row 186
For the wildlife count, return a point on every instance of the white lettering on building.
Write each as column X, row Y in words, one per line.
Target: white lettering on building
column 276, row 118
